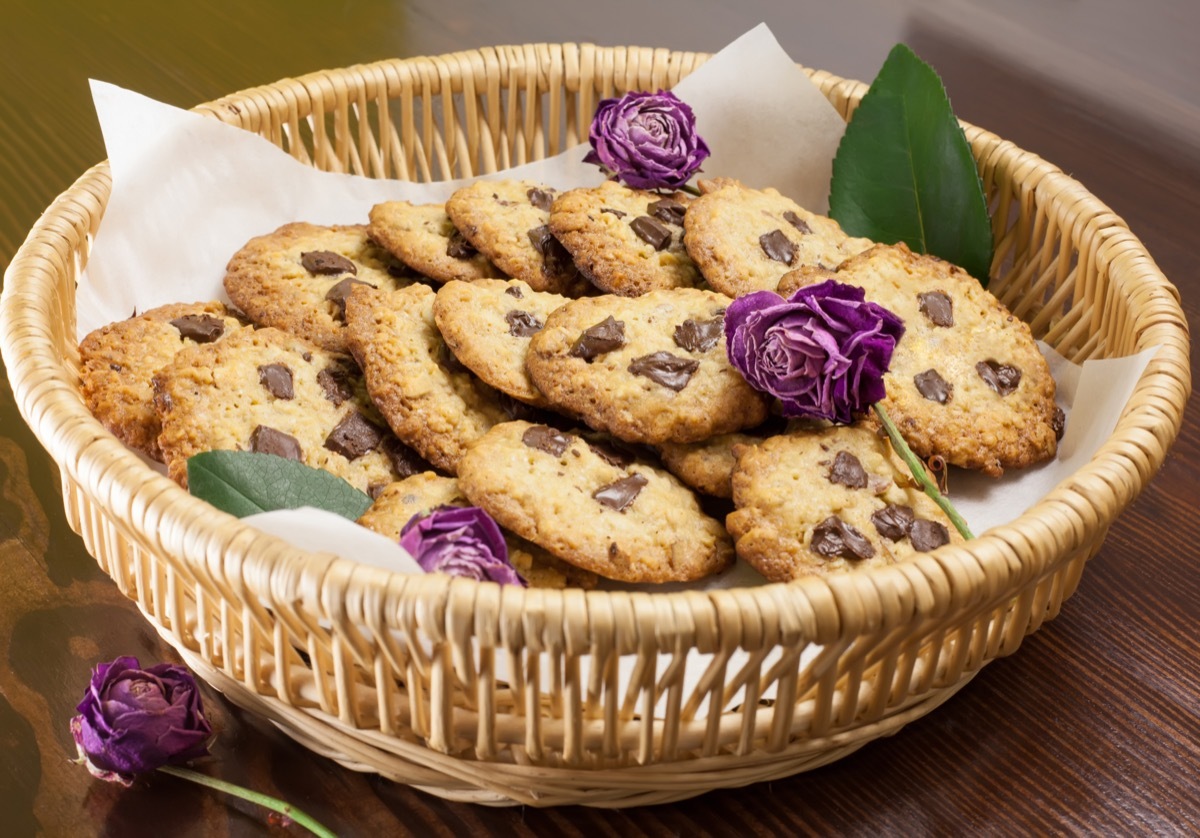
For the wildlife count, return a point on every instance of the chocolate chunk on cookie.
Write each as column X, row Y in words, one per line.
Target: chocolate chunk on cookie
column 297, row 278
column 634, row 367
column 967, row 381
column 630, row 522
column 229, row 395
column 433, row 403
column 626, row 241
column 489, row 328
column 508, row 221
column 424, row 238
column 745, row 239
column 119, row 361
column 820, row 502
column 396, row 504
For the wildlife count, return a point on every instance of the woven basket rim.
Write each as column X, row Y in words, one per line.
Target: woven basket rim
column 993, row 559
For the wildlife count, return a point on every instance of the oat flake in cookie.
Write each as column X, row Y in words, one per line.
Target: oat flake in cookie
column 424, row 238
column 967, row 381
column 298, row 277
column 745, row 239
column 268, row 391
column 621, row 519
column 820, row 502
column 647, row 369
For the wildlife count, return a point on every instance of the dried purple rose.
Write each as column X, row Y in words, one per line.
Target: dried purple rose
column 822, row 352
column 646, row 140
column 133, row 720
column 461, row 541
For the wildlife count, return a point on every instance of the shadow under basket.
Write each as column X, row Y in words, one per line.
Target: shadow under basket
column 494, row 695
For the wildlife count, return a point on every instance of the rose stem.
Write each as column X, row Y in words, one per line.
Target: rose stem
column 691, row 190
column 918, row 470
column 274, row 804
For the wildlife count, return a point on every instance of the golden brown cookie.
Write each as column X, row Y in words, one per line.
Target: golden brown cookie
column 745, row 239
column 297, row 278
column 432, row 402
column 967, row 381
column 269, row 391
column 399, row 502
column 648, row 369
column 619, row 518
column 119, row 361
column 626, row 241
column 821, row 502
column 424, row 238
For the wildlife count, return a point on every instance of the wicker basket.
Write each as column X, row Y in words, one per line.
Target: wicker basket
column 398, row 674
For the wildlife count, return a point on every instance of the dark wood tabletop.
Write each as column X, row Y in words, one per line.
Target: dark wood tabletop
column 1093, row 726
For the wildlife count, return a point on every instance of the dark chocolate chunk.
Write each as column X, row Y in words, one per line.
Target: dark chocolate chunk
column 796, row 221
column 777, row 246
column 1003, row 378
column 618, row 213
column 1058, row 422
column 848, row 471
column 611, row 452
column 202, row 328
column 354, row 436
column 337, row 382
column 540, row 198
column 375, row 490
column 277, row 378
column 267, row 440
column 405, row 461
column 522, row 324
column 546, row 438
column 699, row 335
column 327, row 262
column 339, row 292
column 927, row 535
column 501, row 201
column 834, row 538
column 556, row 261
column 514, row 291
column 938, row 307
column 668, row 211
column 115, row 367
column 620, row 494
column 932, row 386
column 458, row 247
column 605, row 336
column 447, row 360
column 651, row 232
column 893, row 521
column 665, row 369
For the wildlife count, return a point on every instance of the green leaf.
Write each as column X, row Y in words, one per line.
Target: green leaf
column 243, row 483
column 904, row 170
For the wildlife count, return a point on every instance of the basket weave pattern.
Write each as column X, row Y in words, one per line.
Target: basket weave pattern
column 401, row 675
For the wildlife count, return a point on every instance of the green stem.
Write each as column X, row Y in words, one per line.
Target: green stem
column 274, row 804
column 691, row 190
column 918, row 470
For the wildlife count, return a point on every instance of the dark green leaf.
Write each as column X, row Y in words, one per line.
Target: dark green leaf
column 904, row 170
column 243, row 483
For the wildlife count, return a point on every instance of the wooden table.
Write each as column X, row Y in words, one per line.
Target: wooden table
column 1091, row 727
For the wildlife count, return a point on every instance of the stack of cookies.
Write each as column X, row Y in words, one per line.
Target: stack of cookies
column 558, row 359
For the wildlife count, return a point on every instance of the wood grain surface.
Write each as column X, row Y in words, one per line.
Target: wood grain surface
column 1093, row 727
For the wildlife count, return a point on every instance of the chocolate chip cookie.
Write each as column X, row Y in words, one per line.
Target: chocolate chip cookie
column 967, row 382
column 419, row 494
column 626, row 241
column 424, row 238
column 821, row 502
column 621, row 519
column 647, row 369
column 119, row 361
column 297, row 278
column 745, row 239
column 269, row 391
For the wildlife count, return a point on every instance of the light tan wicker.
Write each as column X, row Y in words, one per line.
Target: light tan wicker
column 398, row 675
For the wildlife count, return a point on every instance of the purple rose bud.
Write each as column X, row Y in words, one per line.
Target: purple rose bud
column 461, row 541
column 823, row 352
column 646, row 140
column 133, row 720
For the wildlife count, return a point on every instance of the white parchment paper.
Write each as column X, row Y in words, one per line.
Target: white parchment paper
column 188, row 191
